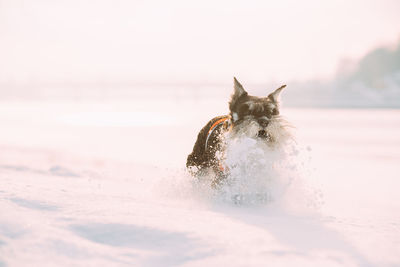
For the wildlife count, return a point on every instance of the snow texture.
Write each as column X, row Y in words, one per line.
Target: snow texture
column 82, row 186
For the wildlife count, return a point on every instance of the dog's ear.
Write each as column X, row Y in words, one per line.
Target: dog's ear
column 238, row 89
column 275, row 95
column 238, row 92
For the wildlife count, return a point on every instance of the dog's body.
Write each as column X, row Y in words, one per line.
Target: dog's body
column 208, row 144
column 256, row 117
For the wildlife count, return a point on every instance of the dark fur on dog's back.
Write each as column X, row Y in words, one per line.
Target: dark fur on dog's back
column 205, row 155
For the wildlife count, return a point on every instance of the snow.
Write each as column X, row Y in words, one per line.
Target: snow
column 103, row 183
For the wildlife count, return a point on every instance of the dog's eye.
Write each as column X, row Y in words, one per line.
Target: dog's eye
column 275, row 111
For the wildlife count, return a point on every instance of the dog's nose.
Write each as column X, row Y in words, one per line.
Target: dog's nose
column 263, row 123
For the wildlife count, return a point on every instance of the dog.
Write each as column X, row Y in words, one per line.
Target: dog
column 251, row 116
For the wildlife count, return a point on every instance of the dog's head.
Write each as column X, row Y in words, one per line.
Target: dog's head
column 256, row 116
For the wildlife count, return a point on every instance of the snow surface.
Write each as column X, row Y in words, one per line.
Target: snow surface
column 103, row 184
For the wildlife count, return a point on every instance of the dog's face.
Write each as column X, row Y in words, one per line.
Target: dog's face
column 255, row 116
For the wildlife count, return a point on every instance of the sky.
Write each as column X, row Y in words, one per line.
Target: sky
column 189, row 41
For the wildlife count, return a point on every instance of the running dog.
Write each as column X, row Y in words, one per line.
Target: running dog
column 252, row 116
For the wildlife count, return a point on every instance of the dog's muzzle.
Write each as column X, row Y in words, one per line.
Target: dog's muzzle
column 262, row 134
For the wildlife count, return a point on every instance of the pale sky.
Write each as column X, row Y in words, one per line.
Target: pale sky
column 189, row 41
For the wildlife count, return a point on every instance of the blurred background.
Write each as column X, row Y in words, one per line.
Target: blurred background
column 118, row 78
column 330, row 53
column 101, row 102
